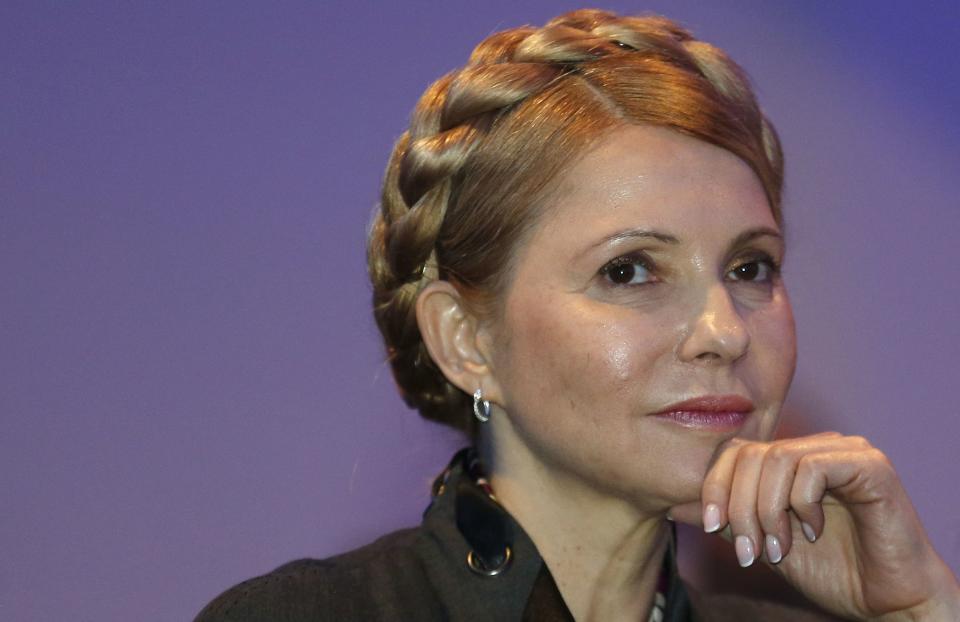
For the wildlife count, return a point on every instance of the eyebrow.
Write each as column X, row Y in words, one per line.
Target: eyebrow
column 744, row 238
column 752, row 234
column 666, row 238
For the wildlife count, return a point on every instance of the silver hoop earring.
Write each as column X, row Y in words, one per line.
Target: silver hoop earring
column 481, row 407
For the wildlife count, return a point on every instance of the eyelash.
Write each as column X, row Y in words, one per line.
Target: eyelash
column 637, row 259
column 760, row 258
column 644, row 262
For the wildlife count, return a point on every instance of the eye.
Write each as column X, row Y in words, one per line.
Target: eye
column 754, row 271
column 627, row 271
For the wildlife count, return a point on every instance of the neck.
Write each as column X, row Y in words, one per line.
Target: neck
column 605, row 554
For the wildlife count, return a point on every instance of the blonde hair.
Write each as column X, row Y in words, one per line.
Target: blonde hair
column 487, row 142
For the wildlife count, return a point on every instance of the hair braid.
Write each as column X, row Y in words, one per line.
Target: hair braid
column 440, row 215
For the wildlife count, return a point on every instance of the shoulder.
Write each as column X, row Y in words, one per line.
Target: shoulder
column 376, row 581
column 734, row 608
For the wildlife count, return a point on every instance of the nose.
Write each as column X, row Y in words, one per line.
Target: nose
column 716, row 333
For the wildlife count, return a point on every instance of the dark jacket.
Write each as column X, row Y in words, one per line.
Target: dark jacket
column 468, row 561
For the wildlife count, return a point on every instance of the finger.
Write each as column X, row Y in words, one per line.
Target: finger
column 715, row 493
column 742, row 509
column 776, row 482
column 691, row 514
column 806, row 495
column 818, row 435
column 773, row 500
column 822, row 471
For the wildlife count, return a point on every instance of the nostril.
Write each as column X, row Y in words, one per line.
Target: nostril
column 708, row 356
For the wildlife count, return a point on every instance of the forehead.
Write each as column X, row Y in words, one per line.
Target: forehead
column 658, row 178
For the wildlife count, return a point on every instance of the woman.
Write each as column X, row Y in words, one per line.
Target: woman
column 577, row 262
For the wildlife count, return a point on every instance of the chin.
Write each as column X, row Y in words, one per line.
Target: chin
column 656, row 488
column 688, row 482
column 683, row 470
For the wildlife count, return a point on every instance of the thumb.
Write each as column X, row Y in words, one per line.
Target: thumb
column 688, row 513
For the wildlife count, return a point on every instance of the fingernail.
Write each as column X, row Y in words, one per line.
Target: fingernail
column 670, row 518
column 808, row 531
column 744, row 547
column 774, row 553
column 711, row 518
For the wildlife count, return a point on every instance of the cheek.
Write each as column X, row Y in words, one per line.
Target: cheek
column 634, row 348
column 774, row 349
column 578, row 352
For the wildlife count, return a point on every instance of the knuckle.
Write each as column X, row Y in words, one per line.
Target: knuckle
column 859, row 442
column 812, row 461
column 729, row 444
column 779, row 454
column 879, row 460
column 879, row 477
column 797, row 499
column 770, row 519
column 808, row 467
column 878, row 455
column 714, row 491
column 754, row 451
column 805, row 465
column 740, row 516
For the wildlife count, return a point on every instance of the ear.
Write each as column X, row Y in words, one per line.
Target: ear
column 456, row 339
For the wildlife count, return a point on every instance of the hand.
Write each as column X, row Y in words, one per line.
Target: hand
column 829, row 513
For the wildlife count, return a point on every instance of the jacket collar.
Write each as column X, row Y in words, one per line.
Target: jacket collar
column 494, row 561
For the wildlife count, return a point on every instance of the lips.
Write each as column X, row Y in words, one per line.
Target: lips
column 709, row 412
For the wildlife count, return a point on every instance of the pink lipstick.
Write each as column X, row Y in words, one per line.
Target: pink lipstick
column 719, row 413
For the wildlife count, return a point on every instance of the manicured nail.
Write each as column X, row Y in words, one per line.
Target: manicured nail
column 808, row 531
column 711, row 518
column 744, row 547
column 774, row 553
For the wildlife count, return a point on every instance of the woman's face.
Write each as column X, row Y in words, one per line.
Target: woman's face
column 651, row 279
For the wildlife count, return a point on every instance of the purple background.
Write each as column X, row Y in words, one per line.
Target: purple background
column 191, row 388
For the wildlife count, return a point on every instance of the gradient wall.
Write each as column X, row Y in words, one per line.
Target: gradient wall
column 191, row 388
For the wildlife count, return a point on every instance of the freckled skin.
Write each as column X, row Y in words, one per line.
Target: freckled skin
column 580, row 364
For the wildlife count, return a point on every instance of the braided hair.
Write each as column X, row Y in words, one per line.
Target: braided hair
column 487, row 142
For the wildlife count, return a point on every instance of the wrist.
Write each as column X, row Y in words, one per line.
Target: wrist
column 945, row 605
